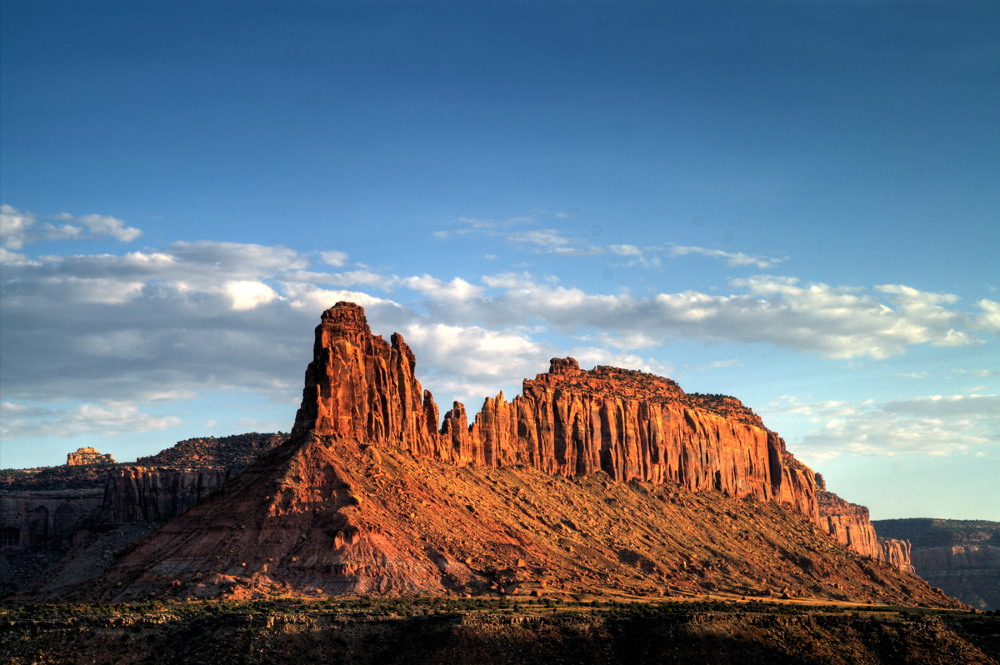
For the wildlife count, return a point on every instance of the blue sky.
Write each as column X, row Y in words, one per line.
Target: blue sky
column 795, row 203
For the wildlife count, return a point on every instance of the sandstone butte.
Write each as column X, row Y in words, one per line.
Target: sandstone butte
column 87, row 455
column 370, row 495
column 570, row 422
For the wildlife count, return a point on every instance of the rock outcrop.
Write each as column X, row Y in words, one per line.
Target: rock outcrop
column 322, row 516
column 896, row 553
column 851, row 526
column 369, row 496
column 45, row 513
column 568, row 421
column 960, row 556
column 85, row 456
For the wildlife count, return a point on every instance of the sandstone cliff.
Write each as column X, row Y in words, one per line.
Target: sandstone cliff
column 568, row 421
column 67, row 511
column 323, row 516
column 851, row 526
column 960, row 556
column 139, row 494
column 369, row 496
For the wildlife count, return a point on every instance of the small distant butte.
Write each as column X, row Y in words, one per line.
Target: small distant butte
column 87, row 456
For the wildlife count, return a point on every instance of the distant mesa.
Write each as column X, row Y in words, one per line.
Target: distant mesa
column 88, row 456
column 962, row 557
column 597, row 482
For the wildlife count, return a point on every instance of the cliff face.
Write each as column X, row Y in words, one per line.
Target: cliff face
column 92, row 510
column 896, row 553
column 45, row 519
column 568, row 422
column 369, row 496
column 323, row 516
column 960, row 556
column 138, row 494
column 851, row 526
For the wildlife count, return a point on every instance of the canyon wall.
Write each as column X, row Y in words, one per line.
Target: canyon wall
column 962, row 557
column 57, row 507
column 568, row 421
column 851, row 526
column 45, row 519
column 140, row 494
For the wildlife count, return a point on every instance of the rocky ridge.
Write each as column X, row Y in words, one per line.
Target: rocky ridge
column 571, row 422
column 568, row 422
column 587, row 480
column 67, row 511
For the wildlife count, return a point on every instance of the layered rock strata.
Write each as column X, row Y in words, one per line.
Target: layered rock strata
column 369, row 496
column 568, row 421
column 139, row 494
column 324, row 516
column 960, row 556
column 851, row 526
column 46, row 519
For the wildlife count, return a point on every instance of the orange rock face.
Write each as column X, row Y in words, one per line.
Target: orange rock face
column 568, row 421
column 851, row 526
column 87, row 455
column 896, row 553
column 370, row 496
column 359, row 386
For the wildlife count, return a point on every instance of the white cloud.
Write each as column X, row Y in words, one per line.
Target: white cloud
column 555, row 241
column 107, row 418
column 308, row 297
column 989, row 320
column 348, row 278
column 198, row 316
column 15, row 227
column 469, row 363
column 547, row 239
column 240, row 258
column 98, row 225
column 18, row 228
column 10, row 258
column 983, row 373
column 467, row 225
column 334, row 258
column 474, row 351
column 247, row 294
column 456, row 290
column 837, row 322
column 734, row 259
column 625, row 250
column 933, row 425
column 590, row 357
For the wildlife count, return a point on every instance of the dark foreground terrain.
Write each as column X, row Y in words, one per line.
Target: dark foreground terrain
column 439, row 631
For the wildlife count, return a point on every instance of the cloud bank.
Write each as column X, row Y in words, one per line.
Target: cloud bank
column 127, row 329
